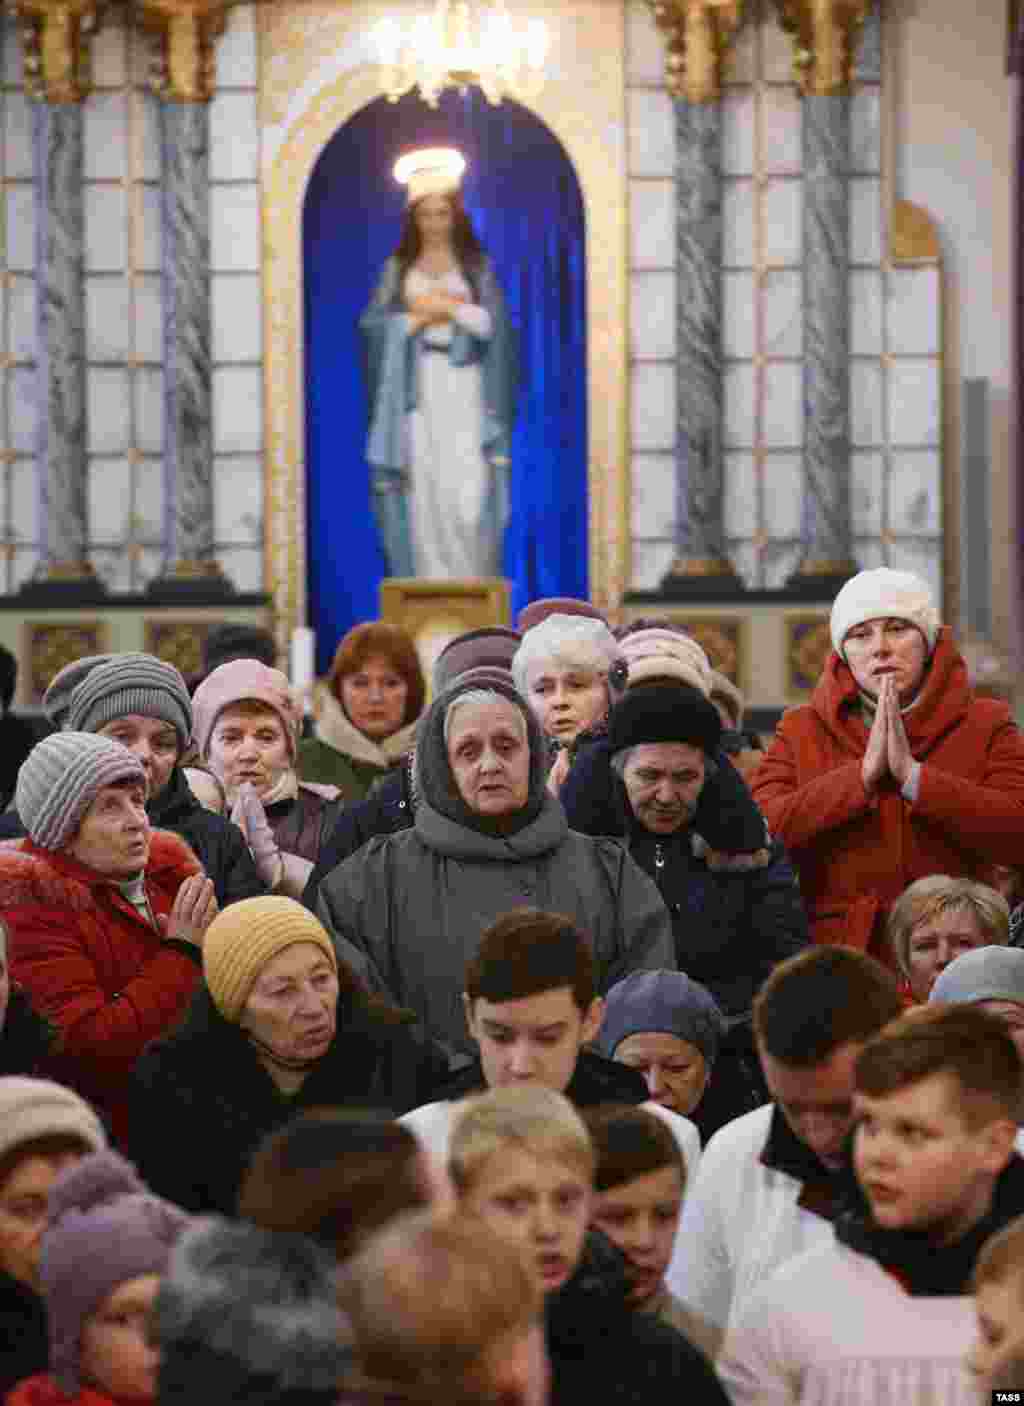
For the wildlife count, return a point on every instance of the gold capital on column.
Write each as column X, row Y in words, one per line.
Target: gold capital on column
column 824, row 34
column 187, row 31
column 697, row 37
column 55, row 40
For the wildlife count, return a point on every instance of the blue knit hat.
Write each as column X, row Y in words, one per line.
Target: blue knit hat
column 662, row 1003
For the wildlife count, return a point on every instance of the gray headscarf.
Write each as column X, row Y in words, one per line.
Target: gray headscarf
column 433, row 774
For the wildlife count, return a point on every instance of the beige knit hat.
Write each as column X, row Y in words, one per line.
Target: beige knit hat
column 36, row 1108
column 665, row 654
column 245, row 936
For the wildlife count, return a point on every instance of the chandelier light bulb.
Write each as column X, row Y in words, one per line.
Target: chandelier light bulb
column 458, row 44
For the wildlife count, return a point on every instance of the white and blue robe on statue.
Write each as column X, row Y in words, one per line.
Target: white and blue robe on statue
column 442, row 402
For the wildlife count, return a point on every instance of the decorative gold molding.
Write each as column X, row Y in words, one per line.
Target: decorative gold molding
column 304, row 100
column 700, row 566
column 825, row 34
column 55, row 35
column 187, row 31
column 913, row 237
column 697, row 38
column 70, row 571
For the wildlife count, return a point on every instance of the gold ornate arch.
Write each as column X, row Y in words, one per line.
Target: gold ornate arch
column 584, row 106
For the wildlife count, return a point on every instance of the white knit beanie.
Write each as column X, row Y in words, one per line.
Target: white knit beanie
column 666, row 654
column 884, row 594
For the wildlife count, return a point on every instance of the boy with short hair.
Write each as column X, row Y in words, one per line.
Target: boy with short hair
column 639, row 1182
column 522, row 1164
column 884, row 1312
column 532, row 1006
column 996, row 1359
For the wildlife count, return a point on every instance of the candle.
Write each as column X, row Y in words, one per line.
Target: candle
column 303, row 650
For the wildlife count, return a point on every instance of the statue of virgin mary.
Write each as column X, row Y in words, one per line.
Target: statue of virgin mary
column 442, row 374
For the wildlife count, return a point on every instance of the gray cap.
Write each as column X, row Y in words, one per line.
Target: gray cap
column 131, row 683
column 662, row 1003
column 984, row 974
column 57, row 698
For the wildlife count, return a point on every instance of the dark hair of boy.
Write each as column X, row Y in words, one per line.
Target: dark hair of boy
column 529, row 951
column 337, row 1176
column 962, row 1041
column 629, row 1143
column 820, row 999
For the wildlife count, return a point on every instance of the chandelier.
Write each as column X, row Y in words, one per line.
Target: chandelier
column 459, row 47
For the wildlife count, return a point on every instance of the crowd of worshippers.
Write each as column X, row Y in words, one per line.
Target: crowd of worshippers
column 540, row 1036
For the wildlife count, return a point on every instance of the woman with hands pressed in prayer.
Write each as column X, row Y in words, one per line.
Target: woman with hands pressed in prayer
column 894, row 770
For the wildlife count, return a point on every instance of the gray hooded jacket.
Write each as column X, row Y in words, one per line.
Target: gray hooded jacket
column 408, row 910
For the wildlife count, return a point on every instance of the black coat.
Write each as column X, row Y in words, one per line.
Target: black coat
column 218, row 844
column 595, row 1080
column 24, row 1347
column 385, row 811
column 201, row 1101
column 727, row 817
column 731, row 925
column 26, row 1038
column 603, row 1351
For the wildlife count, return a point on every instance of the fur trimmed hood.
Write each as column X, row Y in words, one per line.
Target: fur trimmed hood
column 334, row 728
column 30, row 874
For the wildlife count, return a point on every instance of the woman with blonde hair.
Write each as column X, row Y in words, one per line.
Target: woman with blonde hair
column 937, row 920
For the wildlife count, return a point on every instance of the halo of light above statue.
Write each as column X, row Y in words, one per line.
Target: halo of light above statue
column 429, row 171
column 460, row 45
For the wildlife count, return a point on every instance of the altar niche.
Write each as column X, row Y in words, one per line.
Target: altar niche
column 524, row 200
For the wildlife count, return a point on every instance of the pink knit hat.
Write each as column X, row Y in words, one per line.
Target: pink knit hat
column 240, row 681
column 665, row 654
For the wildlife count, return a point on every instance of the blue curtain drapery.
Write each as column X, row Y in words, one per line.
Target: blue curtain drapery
column 524, row 200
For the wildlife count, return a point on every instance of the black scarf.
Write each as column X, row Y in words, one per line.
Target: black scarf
column 926, row 1269
column 823, row 1190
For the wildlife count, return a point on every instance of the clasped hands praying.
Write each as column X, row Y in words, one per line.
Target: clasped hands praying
column 888, row 751
column 431, row 308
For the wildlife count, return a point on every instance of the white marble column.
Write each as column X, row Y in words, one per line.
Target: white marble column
column 60, row 352
column 188, row 417
column 827, row 549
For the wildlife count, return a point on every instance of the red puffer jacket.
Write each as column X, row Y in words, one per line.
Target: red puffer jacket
column 92, row 964
column 855, row 853
column 44, row 1391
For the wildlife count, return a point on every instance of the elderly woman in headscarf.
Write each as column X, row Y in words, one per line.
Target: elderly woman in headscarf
column 408, row 909
column 246, row 732
column 894, row 770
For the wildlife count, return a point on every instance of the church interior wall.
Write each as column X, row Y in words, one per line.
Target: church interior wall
column 940, row 113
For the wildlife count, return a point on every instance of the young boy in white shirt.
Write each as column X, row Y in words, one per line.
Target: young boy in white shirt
column 884, row 1312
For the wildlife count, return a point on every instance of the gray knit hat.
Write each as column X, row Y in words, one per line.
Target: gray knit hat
column 57, row 698
column 131, row 683
column 36, row 1108
column 984, row 974
column 662, row 1003
column 62, row 776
